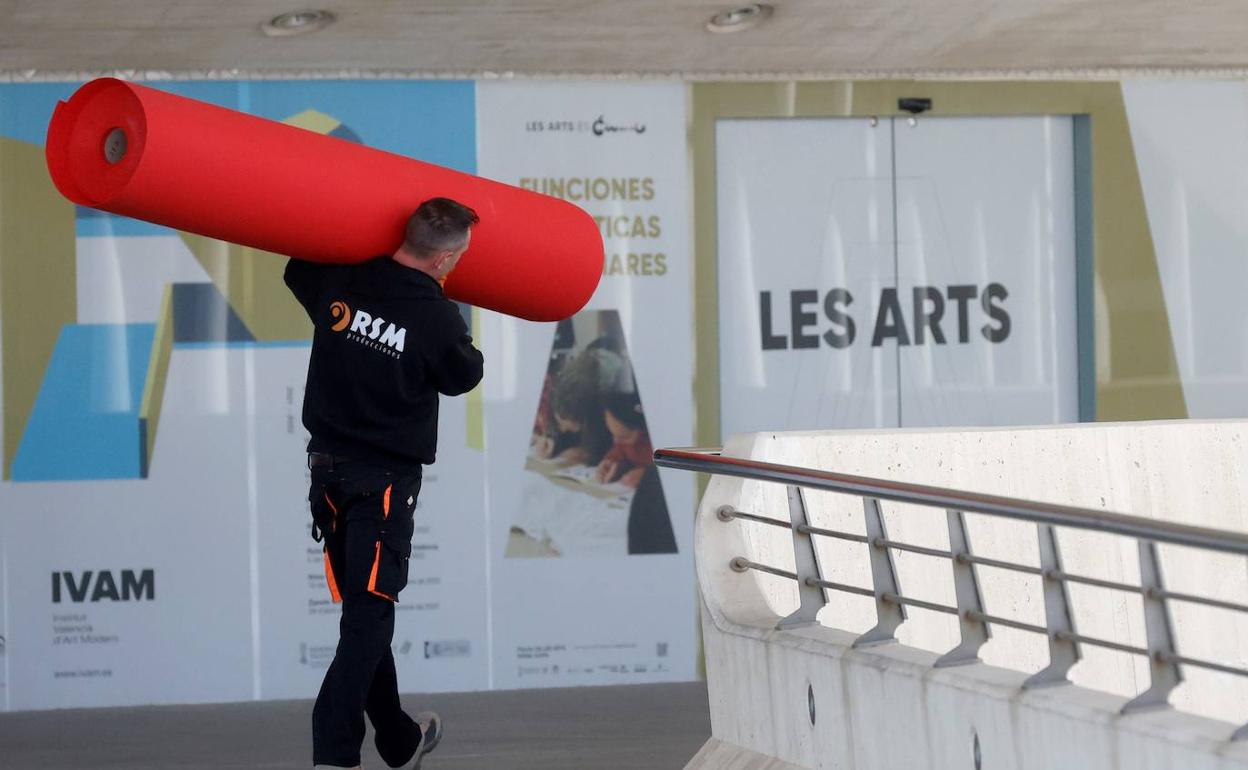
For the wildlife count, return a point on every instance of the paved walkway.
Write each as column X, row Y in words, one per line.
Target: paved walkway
column 595, row 728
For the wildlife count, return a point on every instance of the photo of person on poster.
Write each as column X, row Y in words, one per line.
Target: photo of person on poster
column 630, row 452
column 590, row 439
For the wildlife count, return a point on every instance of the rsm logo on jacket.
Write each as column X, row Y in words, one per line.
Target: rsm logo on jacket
column 367, row 329
column 92, row 586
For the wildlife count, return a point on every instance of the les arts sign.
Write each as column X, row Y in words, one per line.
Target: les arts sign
column 929, row 315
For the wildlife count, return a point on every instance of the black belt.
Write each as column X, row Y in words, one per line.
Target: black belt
column 325, row 460
column 331, row 461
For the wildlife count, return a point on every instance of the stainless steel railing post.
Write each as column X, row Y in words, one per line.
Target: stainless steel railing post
column 975, row 632
column 1164, row 672
column 1058, row 619
column 810, row 594
column 889, row 615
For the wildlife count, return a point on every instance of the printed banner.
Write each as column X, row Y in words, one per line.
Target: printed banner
column 882, row 274
column 156, row 528
column 591, row 557
column 136, row 591
column 156, row 539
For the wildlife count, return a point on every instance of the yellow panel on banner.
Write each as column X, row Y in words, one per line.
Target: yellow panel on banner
column 38, row 279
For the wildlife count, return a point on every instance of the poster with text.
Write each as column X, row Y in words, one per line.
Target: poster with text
column 153, row 483
column 137, row 591
column 876, row 274
column 592, row 569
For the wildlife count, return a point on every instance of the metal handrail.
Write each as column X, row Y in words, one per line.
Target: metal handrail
column 890, row 602
column 711, row 461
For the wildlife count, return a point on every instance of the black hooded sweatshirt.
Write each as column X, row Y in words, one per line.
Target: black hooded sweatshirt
column 387, row 342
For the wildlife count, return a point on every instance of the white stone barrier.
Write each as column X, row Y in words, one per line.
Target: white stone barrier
column 808, row 698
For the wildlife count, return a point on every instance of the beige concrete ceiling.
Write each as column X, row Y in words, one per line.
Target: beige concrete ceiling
column 603, row 37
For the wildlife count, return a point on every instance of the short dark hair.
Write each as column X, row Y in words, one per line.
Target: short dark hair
column 438, row 224
column 626, row 407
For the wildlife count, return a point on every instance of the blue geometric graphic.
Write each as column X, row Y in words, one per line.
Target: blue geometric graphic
column 85, row 424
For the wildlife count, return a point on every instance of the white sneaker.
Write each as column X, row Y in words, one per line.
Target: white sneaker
column 430, row 725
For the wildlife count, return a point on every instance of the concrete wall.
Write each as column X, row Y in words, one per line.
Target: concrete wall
column 886, row 707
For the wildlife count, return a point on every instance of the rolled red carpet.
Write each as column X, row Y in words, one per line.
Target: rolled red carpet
column 143, row 153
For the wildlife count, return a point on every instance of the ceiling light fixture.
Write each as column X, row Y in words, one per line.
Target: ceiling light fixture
column 740, row 19
column 297, row 23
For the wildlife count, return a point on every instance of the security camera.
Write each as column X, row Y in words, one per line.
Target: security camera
column 914, row 104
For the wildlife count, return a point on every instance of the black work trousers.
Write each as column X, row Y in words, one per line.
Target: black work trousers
column 364, row 514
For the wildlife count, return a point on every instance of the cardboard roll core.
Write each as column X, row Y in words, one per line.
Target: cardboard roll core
column 115, row 146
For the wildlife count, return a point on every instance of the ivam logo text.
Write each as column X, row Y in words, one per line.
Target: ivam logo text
column 96, row 586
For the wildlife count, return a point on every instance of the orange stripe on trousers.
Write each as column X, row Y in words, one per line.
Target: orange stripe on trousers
column 372, row 579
